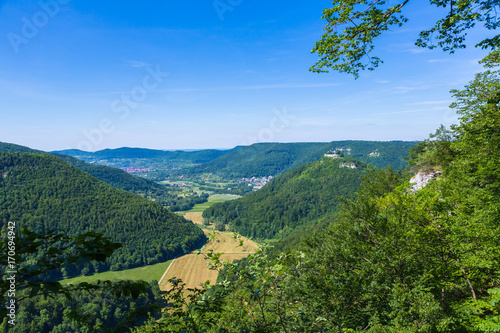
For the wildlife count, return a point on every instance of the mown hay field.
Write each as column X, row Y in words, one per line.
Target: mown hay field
column 195, row 217
column 192, row 269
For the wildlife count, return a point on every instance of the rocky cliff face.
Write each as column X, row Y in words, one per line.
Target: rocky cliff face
column 423, row 178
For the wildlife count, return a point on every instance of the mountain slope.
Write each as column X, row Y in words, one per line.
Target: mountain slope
column 166, row 196
column 42, row 191
column 261, row 160
column 271, row 159
column 13, row 148
column 257, row 160
column 292, row 201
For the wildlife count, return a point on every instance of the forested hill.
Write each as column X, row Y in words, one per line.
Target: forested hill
column 294, row 200
column 166, row 196
column 13, row 148
column 39, row 190
column 271, row 159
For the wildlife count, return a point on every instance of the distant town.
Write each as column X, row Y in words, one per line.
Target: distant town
column 135, row 170
column 257, row 182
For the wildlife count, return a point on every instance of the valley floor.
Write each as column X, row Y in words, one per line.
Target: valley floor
column 192, row 269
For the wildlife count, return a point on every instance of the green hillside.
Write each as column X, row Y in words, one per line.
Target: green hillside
column 271, row 159
column 146, row 158
column 13, row 148
column 42, row 191
column 167, row 196
column 294, row 200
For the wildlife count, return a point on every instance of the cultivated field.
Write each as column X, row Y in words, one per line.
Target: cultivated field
column 193, row 270
column 195, row 217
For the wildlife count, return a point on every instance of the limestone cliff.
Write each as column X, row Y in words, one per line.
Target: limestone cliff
column 421, row 179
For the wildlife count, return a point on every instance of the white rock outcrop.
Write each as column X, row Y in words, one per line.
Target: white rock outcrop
column 347, row 165
column 423, row 178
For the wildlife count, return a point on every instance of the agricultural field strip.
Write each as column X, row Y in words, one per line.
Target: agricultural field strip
column 192, row 269
column 166, row 271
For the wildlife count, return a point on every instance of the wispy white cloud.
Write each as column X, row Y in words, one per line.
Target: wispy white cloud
column 439, row 108
column 222, row 89
column 256, row 87
column 317, row 121
column 330, row 121
column 137, row 64
column 416, row 50
column 406, row 48
column 437, row 60
column 431, row 102
column 408, row 88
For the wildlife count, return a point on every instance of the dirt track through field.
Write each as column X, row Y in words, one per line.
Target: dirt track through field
column 193, row 270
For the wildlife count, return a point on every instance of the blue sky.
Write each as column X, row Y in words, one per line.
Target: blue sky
column 183, row 75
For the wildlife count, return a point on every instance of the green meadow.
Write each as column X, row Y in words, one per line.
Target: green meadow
column 146, row 273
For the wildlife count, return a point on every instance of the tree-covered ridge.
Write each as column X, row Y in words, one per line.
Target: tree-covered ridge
column 13, row 148
column 42, row 191
column 158, row 160
column 292, row 201
column 271, row 159
column 198, row 156
column 167, row 196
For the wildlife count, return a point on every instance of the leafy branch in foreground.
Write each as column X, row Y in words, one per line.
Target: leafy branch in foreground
column 36, row 254
column 353, row 25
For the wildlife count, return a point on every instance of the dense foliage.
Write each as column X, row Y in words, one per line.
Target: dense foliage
column 296, row 199
column 271, row 159
column 84, row 312
column 42, row 191
column 27, row 256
